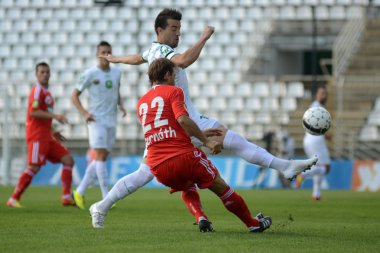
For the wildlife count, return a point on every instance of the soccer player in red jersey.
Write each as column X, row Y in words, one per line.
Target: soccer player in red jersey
column 172, row 157
column 43, row 142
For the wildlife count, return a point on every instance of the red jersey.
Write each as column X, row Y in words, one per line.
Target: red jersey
column 39, row 129
column 158, row 111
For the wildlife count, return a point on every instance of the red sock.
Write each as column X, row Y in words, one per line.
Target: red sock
column 66, row 178
column 236, row 205
column 23, row 183
column 193, row 202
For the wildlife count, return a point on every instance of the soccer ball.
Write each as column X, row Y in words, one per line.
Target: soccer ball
column 316, row 120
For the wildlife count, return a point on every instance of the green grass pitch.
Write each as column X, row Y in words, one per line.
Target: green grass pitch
column 152, row 220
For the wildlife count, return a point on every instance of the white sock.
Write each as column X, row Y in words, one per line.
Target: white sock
column 89, row 176
column 126, row 186
column 101, row 172
column 317, row 182
column 252, row 153
column 315, row 170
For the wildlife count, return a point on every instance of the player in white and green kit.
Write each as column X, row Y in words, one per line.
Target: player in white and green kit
column 102, row 83
column 167, row 28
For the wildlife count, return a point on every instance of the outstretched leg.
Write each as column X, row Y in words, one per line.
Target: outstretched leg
column 257, row 155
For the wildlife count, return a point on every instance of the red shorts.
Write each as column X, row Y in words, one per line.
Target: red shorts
column 183, row 171
column 40, row 151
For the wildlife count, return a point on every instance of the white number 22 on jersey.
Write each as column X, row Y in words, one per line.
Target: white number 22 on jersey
column 158, row 122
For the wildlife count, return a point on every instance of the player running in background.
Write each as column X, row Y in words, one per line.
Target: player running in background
column 172, row 157
column 316, row 145
column 43, row 142
column 167, row 28
column 102, row 82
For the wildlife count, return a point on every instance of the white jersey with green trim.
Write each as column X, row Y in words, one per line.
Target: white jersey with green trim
column 158, row 50
column 103, row 88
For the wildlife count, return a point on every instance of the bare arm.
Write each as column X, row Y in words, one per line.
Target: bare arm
column 76, row 101
column 135, row 59
column 193, row 130
column 40, row 114
column 120, row 104
column 192, row 54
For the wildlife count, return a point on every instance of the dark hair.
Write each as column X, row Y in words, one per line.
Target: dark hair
column 103, row 44
column 158, row 69
column 164, row 15
column 41, row 64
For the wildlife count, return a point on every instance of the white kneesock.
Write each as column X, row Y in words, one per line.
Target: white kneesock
column 126, row 186
column 317, row 182
column 101, row 172
column 315, row 170
column 89, row 176
column 253, row 153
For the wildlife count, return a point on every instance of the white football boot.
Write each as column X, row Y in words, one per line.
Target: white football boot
column 297, row 166
column 97, row 217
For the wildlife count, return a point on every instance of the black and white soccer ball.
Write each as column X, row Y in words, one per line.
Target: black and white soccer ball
column 316, row 120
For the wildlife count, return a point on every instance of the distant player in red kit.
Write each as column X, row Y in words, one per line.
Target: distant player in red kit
column 42, row 141
column 172, row 157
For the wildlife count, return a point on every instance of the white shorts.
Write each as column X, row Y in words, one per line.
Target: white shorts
column 204, row 123
column 316, row 145
column 101, row 136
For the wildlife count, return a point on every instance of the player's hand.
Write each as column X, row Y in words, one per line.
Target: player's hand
column 59, row 137
column 215, row 147
column 60, row 118
column 208, row 31
column 212, row 132
column 122, row 109
column 89, row 117
column 109, row 58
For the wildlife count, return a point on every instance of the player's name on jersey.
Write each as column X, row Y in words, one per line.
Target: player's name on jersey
column 164, row 133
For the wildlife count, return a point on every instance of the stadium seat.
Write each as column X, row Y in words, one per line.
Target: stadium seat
column 201, row 103
column 6, row 25
column 374, row 118
column 28, row 38
column 29, row 13
column 246, row 118
column 225, row 90
column 327, row 2
column 253, row 104
column 270, row 104
column 304, row 12
column 235, row 104
column 260, row 89
column 20, row 26
column 244, row 89
column 227, row 117
column 131, row 132
column 43, row 38
column 255, row 132
column 209, row 90
column 322, row 12
column 21, row 3
column 377, row 105
column 63, row 103
column 337, row 12
column 288, row 104
column 218, row 104
column 4, row 51
column 295, row 89
column 17, row 76
column 11, row 38
column 214, row 3
column 278, row 89
column 263, row 118
column 369, row 133
column 354, row 12
column 23, row 90
column 287, row 12
column 10, row 64
column 79, row 131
